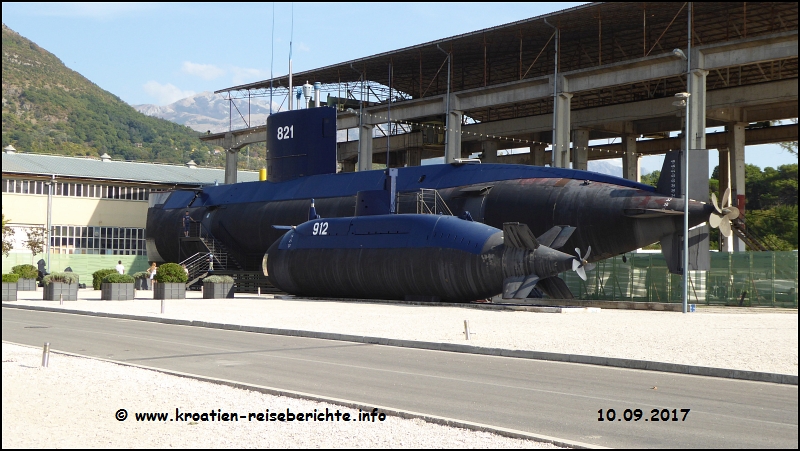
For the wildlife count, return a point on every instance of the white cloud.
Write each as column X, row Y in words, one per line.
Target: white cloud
column 99, row 10
column 165, row 94
column 242, row 75
column 204, row 71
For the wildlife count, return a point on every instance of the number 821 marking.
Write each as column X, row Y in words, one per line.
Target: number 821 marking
column 320, row 228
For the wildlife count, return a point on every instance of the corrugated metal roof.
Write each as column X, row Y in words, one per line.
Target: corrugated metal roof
column 61, row 166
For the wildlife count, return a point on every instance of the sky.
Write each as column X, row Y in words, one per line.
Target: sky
column 158, row 53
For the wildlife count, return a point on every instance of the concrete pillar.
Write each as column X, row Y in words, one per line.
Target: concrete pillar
column 736, row 149
column 580, row 149
column 698, row 162
column 231, row 159
column 413, row 157
column 489, row 149
column 725, row 243
column 630, row 160
column 348, row 166
column 561, row 148
column 453, row 137
column 538, row 155
column 365, row 147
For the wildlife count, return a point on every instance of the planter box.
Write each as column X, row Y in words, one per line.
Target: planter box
column 116, row 291
column 218, row 290
column 26, row 285
column 9, row 291
column 169, row 291
column 53, row 290
column 141, row 284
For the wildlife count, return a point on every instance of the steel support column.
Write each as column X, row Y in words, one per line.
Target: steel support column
column 724, row 171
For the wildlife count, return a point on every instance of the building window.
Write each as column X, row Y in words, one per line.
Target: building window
column 98, row 240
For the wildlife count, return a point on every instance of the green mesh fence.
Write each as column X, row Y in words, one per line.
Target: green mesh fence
column 82, row 265
column 767, row 279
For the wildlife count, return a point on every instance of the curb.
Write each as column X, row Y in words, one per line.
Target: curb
column 453, row 347
column 405, row 414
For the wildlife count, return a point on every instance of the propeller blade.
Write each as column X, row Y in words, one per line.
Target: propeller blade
column 725, row 228
column 589, row 266
column 714, row 201
column 732, row 213
column 578, row 253
column 581, row 273
column 714, row 220
column 726, row 198
column 588, row 251
column 575, row 265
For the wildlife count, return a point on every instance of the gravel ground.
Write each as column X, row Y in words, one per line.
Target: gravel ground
column 73, row 403
column 744, row 339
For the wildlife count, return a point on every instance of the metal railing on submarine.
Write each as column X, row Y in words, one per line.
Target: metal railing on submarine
column 215, row 256
column 424, row 201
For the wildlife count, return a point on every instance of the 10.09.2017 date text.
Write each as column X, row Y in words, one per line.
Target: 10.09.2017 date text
column 637, row 414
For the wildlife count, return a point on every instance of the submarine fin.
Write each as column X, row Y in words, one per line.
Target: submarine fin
column 519, row 287
column 671, row 249
column 556, row 237
column 669, row 182
column 555, row 288
column 519, row 236
column 566, row 232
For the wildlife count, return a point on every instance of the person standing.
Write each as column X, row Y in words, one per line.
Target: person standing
column 152, row 271
column 120, row 269
column 186, row 220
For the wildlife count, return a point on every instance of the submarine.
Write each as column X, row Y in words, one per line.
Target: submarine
column 424, row 257
column 611, row 215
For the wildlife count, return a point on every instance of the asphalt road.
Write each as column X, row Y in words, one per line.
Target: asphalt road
column 555, row 399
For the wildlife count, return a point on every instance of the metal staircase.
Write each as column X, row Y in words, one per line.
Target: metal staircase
column 749, row 238
column 212, row 254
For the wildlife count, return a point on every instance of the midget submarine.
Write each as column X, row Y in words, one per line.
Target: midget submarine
column 426, row 257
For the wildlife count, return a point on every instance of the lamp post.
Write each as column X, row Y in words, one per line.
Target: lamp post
column 684, row 101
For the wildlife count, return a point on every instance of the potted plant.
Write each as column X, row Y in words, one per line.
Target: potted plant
column 117, row 287
column 10, row 287
column 171, row 280
column 27, row 277
column 61, row 284
column 141, row 281
column 99, row 275
column 218, row 287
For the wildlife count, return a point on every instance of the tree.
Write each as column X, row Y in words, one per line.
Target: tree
column 7, row 234
column 37, row 236
column 790, row 147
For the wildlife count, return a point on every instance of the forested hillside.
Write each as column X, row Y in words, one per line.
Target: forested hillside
column 49, row 108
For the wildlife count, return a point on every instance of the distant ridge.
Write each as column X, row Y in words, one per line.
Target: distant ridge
column 210, row 112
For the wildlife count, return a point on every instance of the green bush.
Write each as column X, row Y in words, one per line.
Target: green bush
column 10, row 278
column 62, row 277
column 141, row 275
column 218, row 279
column 97, row 277
column 25, row 271
column 171, row 273
column 118, row 278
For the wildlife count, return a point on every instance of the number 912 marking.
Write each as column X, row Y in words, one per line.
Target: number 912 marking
column 320, row 228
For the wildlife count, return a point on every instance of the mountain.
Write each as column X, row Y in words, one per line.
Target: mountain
column 49, row 108
column 210, row 112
